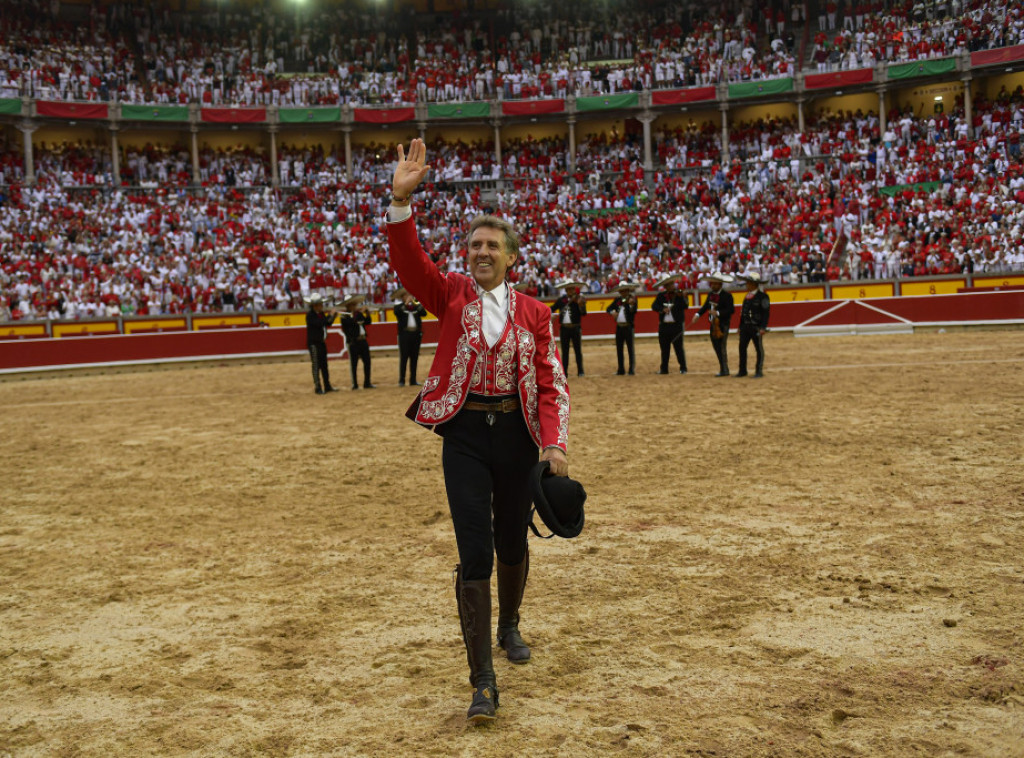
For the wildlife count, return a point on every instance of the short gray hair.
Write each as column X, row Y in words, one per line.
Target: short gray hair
column 503, row 226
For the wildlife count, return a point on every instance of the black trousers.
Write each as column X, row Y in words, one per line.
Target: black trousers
column 570, row 335
column 360, row 350
column 624, row 339
column 750, row 334
column 671, row 335
column 318, row 358
column 486, row 475
column 720, row 351
column 408, row 353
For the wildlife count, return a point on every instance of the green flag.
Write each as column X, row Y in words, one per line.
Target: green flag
column 760, row 88
column 896, row 189
column 154, row 112
column 459, row 110
column 604, row 102
column 929, row 67
column 10, row 106
column 309, row 115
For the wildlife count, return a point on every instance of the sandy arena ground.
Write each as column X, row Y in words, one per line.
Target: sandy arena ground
column 213, row 561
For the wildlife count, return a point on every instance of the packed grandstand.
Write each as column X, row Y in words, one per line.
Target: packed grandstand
column 120, row 217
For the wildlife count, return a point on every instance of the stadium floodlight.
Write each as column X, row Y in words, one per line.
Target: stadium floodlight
column 298, row 7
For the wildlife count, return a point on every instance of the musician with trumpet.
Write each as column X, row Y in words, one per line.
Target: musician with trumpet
column 670, row 305
column 353, row 323
column 409, row 312
column 719, row 306
column 623, row 310
column 317, row 322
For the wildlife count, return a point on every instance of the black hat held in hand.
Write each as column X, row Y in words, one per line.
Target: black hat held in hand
column 558, row 500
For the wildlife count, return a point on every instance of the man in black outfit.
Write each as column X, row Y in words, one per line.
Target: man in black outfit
column 671, row 309
column 409, row 314
column 571, row 307
column 353, row 324
column 316, row 342
column 719, row 306
column 753, row 323
column 623, row 310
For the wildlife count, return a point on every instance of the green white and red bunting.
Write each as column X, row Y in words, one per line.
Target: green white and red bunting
column 760, row 88
column 309, row 115
column 999, row 55
column 682, row 96
column 384, row 115
column 929, row 67
column 154, row 112
column 608, row 102
column 531, row 107
column 55, row 109
column 839, row 78
column 459, row 110
column 233, row 115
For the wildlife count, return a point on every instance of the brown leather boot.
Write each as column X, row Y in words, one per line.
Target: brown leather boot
column 511, row 585
column 474, row 601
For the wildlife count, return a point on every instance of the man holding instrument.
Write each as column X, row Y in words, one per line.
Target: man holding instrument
column 719, row 306
column 623, row 310
column 496, row 392
column 671, row 309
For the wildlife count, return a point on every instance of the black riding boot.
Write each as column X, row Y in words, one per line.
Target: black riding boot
column 511, row 585
column 474, row 600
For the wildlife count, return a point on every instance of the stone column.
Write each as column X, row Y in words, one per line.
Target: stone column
column 275, row 176
column 347, row 131
column 882, row 112
column 800, row 114
column 968, row 107
column 115, row 156
column 422, row 127
column 724, row 107
column 27, row 128
column 497, row 141
column 571, row 162
column 196, row 178
column 647, row 118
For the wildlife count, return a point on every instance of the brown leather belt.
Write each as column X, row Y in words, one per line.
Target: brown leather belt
column 505, row 406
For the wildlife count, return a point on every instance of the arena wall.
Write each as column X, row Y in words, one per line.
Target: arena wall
column 27, row 348
column 864, row 102
column 768, row 111
column 690, row 117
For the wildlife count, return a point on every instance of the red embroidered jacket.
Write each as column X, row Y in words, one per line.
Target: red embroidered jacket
column 526, row 360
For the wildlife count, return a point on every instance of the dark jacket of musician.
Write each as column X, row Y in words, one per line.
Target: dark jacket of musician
column 316, row 326
column 577, row 308
column 724, row 305
column 755, row 311
column 403, row 311
column 625, row 305
column 678, row 309
column 350, row 323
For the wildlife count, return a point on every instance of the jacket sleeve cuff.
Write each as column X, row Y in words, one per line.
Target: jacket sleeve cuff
column 399, row 213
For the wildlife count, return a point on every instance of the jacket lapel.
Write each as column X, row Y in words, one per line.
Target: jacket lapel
column 473, row 323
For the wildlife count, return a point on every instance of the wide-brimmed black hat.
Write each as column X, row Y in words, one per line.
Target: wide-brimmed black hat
column 558, row 500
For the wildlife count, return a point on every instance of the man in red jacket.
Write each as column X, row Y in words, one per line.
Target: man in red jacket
column 496, row 392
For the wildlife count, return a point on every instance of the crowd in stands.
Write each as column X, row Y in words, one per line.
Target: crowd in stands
column 863, row 33
column 336, row 54
column 53, row 59
column 953, row 203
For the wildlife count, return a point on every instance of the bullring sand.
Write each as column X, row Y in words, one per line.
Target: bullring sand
column 214, row 561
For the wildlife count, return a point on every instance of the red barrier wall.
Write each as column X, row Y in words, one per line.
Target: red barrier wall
column 1003, row 307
